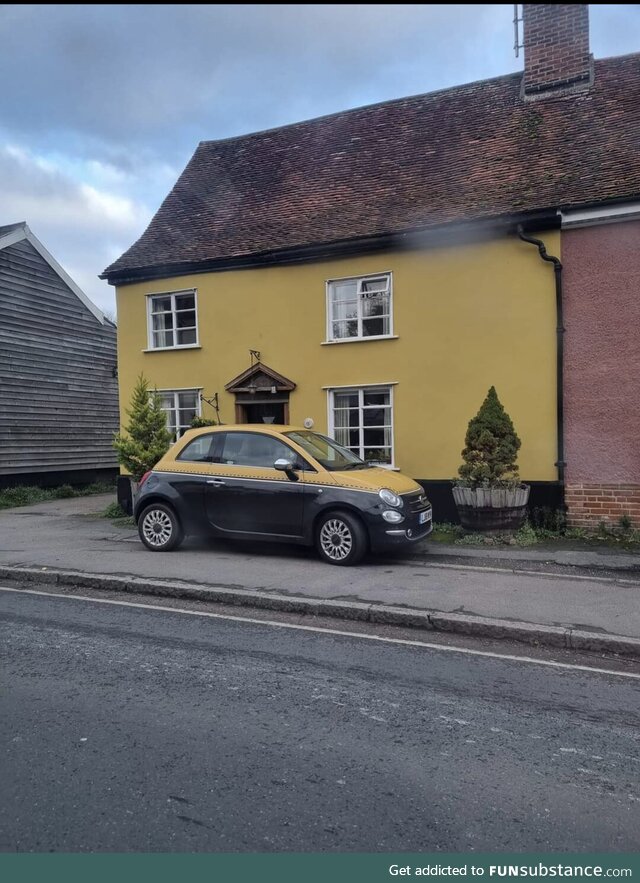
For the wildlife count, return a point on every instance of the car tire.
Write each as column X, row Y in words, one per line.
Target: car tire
column 341, row 539
column 159, row 528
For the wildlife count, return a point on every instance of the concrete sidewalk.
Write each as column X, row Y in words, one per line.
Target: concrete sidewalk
column 592, row 602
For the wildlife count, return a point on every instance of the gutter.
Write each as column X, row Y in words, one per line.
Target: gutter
column 420, row 237
column 560, row 330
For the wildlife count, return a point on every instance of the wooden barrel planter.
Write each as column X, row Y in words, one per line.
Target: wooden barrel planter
column 491, row 509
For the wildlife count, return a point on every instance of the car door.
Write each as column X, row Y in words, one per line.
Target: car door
column 246, row 495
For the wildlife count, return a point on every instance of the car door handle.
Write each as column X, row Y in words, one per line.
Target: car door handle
column 216, row 481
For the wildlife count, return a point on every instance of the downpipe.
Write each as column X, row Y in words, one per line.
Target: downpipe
column 560, row 464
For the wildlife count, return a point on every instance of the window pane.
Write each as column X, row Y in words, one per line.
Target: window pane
column 185, row 302
column 345, row 329
column 375, row 306
column 375, row 327
column 186, row 415
column 198, row 450
column 161, row 304
column 186, row 319
column 345, row 290
column 249, row 449
column 345, row 399
column 347, row 309
column 188, row 399
column 162, row 338
column 375, row 397
column 377, row 455
column 186, row 336
column 377, row 416
column 377, row 437
column 379, row 284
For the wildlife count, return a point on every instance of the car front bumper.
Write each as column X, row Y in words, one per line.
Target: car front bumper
column 389, row 536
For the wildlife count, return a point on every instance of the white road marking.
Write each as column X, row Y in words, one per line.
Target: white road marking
column 327, row 631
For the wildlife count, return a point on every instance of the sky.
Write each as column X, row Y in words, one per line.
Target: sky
column 102, row 106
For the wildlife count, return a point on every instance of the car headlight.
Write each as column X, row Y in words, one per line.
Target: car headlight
column 389, row 497
column 393, row 516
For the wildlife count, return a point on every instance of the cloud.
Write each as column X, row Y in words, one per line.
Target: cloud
column 82, row 225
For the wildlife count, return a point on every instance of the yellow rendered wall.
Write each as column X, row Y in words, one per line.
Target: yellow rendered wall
column 466, row 318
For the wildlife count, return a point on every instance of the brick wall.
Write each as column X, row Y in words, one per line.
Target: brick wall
column 589, row 504
column 556, row 46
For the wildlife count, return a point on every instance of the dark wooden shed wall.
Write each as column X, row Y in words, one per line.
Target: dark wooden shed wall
column 58, row 392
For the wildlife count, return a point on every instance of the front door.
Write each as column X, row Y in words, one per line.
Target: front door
column 264, row 412
column 245, row 494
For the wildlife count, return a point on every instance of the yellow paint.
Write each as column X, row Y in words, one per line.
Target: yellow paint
column 466, row 318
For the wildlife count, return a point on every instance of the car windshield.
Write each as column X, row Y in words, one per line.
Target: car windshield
column 327, row 452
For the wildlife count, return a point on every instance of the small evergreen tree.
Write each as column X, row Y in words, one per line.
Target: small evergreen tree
column 147, row 438
column 491, row 447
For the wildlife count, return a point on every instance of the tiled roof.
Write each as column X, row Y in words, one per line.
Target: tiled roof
column 468, row 153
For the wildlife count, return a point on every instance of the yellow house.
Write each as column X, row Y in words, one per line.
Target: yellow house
column 372, row 273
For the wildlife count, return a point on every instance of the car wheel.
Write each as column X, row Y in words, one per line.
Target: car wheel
column 159, row 528
column 341, row 539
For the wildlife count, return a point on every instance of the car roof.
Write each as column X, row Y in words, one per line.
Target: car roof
column 268, row 428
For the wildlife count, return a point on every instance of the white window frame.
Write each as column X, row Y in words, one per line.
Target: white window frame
column 360, row 280
column 373, row 387
column 172, row 295
column 180, row 430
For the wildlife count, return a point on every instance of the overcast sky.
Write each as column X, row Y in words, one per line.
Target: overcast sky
column 102, row 106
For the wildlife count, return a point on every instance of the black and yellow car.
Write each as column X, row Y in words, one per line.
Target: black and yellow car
column 280, row 483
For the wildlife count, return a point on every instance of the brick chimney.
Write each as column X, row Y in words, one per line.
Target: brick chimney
column 556, row 49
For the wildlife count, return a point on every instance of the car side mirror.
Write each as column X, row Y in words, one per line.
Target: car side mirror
column 286, row 466
column 283, row 465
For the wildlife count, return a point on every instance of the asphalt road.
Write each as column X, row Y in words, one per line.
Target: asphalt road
column 129, row 729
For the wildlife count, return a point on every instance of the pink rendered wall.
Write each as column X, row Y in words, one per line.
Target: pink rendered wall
column 602, row 353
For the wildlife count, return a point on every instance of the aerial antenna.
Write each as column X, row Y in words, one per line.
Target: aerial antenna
column 517, row 45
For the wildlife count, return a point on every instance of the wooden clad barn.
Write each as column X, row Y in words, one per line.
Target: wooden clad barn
column 58, row 371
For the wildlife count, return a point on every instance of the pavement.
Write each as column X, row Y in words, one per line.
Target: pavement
column 573, row 596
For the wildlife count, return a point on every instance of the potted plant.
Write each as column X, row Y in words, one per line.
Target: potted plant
column 489, row 494
column 147, row 438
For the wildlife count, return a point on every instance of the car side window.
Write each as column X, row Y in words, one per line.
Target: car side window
column 198, row 450
column 252, row 449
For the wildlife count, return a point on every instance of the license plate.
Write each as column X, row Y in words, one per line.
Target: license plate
column 424, row 516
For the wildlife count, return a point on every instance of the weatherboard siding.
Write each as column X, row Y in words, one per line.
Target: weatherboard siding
column 58, row 395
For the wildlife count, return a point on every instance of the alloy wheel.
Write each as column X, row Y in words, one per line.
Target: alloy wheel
column 157, row 527
column 336, row 539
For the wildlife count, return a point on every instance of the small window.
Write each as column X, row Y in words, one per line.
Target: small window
column 198, row 450
column 359, row 308
column 362, row 420
column 253, row 449
column 180, row 406
column 172, row 320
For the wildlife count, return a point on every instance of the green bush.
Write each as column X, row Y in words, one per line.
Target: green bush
column 114, row 510
column 20, row 496
column 491, row 447
column 64, row 492
column 199, row 422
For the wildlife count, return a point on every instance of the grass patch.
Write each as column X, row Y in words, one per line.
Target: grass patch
column 117, row 515
column 25, row 495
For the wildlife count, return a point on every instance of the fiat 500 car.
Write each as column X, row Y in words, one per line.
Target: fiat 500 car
column 278, row 483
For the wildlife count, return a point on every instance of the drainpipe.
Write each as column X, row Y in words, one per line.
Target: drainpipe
column 557, row 269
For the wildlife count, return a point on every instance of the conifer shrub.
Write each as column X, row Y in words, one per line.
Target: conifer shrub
column 491, row 448
column 146, row 437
